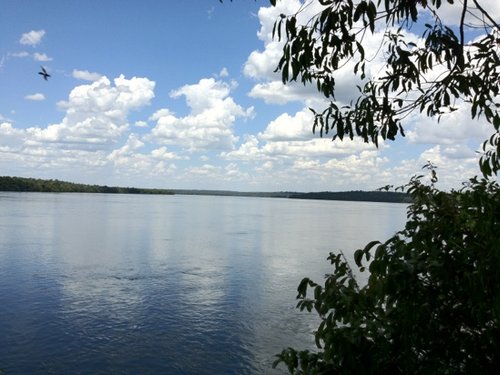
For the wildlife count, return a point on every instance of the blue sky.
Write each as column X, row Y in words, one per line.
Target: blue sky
column 183, row 95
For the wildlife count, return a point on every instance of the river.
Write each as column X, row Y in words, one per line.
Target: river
column 141, row 284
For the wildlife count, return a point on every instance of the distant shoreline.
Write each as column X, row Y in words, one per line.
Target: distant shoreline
column 23, row 184
column 36, row 185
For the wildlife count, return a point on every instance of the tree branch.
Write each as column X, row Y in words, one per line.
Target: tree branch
column 485, row 13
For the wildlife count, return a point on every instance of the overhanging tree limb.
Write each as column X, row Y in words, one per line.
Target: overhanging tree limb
column 313, row 52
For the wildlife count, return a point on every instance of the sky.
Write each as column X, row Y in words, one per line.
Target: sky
column 184, row 95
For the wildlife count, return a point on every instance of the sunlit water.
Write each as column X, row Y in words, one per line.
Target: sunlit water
column 133, row 284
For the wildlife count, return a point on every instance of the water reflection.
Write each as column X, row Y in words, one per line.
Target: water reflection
column 176, row 284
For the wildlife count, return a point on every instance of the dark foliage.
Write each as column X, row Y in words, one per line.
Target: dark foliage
column 432, row 301
column 356, row 196
column 55, row 186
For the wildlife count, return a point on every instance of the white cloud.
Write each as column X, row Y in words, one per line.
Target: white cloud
column 206, row 169
column 453, row 127
column 289, row 128
column 208, row 125
column 445, row 157
column 290, row 137
column 86, row 75
column 95, row 119
column 141, row 124
column 454, row 163
column 281, row 166
column 163, row 154
column 224, row 73
column 32, row 38
column 316, row 147
column 285, row 156
column 6, row 129
column 307, row 171
column 96, row 132
column 41, row 57
column 285, row 139
column 19, row 54
column 451, row 13
column 133, row 143
column 96, row 113
column 275, row 92
column 261, row 64
column 36, row 97
column 128, row 160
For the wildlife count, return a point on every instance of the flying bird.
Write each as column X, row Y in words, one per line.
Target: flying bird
column 44, row 73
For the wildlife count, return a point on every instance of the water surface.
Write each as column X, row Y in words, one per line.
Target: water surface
column 128, row 284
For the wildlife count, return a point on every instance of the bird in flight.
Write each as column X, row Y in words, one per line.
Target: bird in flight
column 44, row 73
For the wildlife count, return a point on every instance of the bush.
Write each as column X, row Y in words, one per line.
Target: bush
column 432, row 301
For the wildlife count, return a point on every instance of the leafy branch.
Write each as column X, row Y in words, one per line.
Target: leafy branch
column 470, row 72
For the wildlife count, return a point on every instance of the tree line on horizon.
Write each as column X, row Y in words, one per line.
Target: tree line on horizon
column 357, row 195
column 23, row 184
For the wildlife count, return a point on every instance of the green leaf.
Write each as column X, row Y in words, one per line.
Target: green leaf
column 358, row 256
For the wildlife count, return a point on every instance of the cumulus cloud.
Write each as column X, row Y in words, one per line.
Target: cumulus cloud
column 455, row 163
column 285, row 144
column 96, row 113
column 11, row 139
column 289, row 137
column 32, row 38
column 308, row 172
column 261, row 64
column 289, row 128
column 6, row 129
column 95, row 120
column 453, row 127
column 253, row 149
column 86, row 75
column 133, row 143
column 36, row 97
column 128, row 159
column 96, row 131
column 213, row 113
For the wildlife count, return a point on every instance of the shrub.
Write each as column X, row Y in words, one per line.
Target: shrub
column 432, row 301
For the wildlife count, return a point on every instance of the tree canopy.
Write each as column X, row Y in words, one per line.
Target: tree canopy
column 433, row 77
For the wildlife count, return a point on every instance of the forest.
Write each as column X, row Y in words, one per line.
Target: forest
column 22, row 184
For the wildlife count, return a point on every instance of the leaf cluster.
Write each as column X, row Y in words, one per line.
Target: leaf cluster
column 432, row 301
column 433, row 78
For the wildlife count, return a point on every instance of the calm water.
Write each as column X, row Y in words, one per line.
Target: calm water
column 132, row 284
